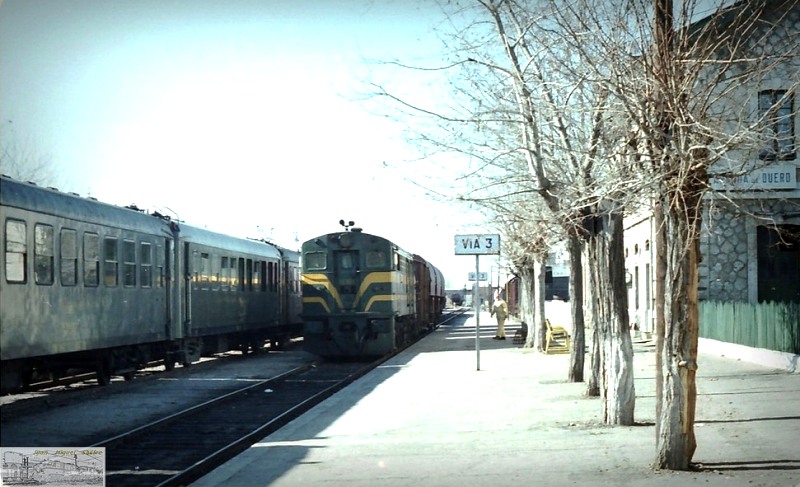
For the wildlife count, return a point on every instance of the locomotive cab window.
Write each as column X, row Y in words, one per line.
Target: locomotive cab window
column 315, row 261
column 43, row 254
column 346, row 260
column 16, row 251
column 376, row 259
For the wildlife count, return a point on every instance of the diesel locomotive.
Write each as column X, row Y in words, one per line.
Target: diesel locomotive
column 363, row 296
column 86, row 285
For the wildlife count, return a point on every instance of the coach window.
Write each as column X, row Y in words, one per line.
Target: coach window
column 129, row 263
column 146, row 264
column 43, row 254
column 277, row 277
column 264, row 275
column 215, row 273
column 249, row 284
column 234, row 282
column 159, row 266
column 257, row 275
column 69, row 257
column 110, row 262
column 16, row 251
column 91, row 259
column 224, row 273
column 241, row 279
column 205, row 270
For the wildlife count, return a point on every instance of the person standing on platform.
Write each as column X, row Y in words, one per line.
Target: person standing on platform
column 499, row 308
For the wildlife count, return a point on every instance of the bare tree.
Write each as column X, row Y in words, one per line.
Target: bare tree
column 534, row 124
column 21, row 159
column 678, row 82
column 607, row 109
column 527, row 242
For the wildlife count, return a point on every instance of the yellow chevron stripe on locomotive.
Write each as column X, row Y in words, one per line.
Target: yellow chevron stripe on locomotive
column 314, row 284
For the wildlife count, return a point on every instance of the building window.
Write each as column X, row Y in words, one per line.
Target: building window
column 776, row 109
column 69, row 257
column 16, row 251
column 91, row 259
column 43, row 254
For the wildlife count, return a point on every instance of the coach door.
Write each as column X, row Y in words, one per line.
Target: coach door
column 285, row 290
column 187, row 287
column 164, row 276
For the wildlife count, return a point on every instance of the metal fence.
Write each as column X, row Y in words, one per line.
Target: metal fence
column 774, row 326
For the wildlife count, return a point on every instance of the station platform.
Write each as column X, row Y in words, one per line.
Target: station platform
column 429, row 417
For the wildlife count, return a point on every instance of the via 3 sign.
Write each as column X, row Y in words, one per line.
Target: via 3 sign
column 478, row 244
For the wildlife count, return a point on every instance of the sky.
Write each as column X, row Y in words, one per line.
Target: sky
column 245, row 117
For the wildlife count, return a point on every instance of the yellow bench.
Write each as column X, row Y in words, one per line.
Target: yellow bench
column 557, row 339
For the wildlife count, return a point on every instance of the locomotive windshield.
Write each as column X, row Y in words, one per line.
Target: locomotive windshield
column 315, row 261
column 376, row 259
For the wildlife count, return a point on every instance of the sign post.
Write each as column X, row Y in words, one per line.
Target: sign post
column 477, row 245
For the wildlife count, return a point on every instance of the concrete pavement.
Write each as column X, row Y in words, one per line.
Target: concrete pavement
column 427, row 417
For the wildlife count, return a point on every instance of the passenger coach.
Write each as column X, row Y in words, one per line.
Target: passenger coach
column 89, row 286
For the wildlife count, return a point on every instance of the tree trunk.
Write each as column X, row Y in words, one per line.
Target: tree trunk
column 616, row 347
column 675, row 440
column 539, row 295
column 593, row 385
column 577, row 354
column 526, row 304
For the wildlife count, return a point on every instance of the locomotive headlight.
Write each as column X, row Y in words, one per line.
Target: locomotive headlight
column 347, row 327
column 346, row 241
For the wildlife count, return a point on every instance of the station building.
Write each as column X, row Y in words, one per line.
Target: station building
column 750, row 236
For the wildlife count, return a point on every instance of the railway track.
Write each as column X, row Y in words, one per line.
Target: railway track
column 184, row 446
column 90, row 379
